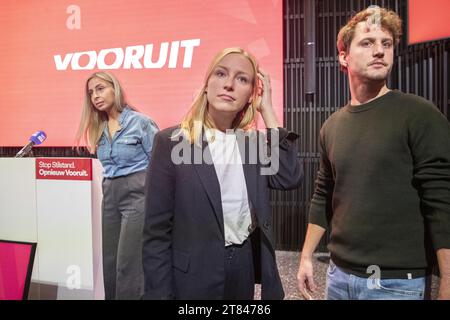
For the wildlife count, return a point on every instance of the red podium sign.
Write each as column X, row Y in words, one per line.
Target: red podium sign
column 63, row 169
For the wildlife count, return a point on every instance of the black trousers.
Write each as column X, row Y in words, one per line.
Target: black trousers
column 239, row 272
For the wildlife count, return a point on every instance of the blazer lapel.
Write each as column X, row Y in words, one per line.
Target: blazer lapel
column 208, row 178
column 249, row 164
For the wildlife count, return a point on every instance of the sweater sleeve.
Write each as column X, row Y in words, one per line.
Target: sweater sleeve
column 429, row 140
column 320, row 210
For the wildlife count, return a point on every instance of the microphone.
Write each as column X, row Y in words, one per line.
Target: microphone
column 36, row 139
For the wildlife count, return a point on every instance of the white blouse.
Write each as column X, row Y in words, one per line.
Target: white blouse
column 233, row 189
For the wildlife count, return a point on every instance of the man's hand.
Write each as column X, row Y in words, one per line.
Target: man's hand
column 444, row 289
column 305, row 278
column 443, row 256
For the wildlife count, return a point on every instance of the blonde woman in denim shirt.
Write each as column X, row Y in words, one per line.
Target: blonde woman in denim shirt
column 122, row 139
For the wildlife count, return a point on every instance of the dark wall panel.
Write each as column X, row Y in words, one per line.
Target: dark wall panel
column 421, row 69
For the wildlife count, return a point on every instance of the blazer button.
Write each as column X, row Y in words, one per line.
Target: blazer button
column 266, row 224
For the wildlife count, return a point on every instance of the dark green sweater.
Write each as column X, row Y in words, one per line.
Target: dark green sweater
column 384, row 185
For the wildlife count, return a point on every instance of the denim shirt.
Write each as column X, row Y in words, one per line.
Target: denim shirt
column 130, row 149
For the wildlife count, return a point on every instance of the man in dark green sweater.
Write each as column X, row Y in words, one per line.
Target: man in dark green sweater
column 383, row 188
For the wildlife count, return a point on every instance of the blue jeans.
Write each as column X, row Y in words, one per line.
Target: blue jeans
column 343, row 286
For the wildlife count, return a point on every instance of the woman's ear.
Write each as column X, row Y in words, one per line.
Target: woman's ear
column 252, row 96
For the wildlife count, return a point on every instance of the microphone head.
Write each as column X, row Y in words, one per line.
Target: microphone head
column 38, row 137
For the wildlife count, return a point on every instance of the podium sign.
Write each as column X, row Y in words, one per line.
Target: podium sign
column 63, row 169
column 56, row 203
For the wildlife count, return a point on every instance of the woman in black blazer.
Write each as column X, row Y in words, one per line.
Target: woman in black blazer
column 208, row 226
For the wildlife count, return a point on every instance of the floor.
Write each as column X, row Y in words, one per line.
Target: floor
column 287, row 266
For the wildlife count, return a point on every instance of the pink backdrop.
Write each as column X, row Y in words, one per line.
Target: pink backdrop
column 428, row 20
column 37, row 96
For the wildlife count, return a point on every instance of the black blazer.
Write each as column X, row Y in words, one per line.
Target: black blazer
column 183, row 243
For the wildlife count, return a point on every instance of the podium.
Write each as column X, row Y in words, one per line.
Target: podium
column 56, row 202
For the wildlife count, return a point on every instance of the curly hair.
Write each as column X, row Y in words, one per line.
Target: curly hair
column 389, row 20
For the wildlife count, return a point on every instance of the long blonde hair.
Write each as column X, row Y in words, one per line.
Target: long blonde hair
column 93, row 121
column 197, row 117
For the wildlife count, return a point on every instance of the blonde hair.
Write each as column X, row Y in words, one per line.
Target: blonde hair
column 197, row 117
column 389, row 20
column 93, row 121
